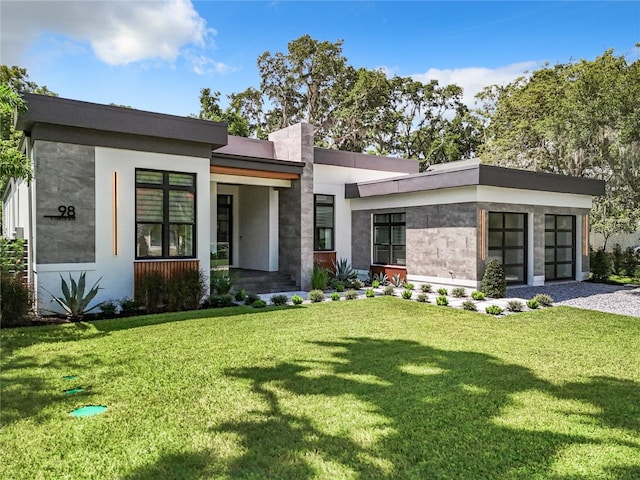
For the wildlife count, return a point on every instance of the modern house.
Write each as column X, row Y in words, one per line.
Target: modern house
column 118, row 192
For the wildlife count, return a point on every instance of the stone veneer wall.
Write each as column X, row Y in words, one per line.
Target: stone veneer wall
column 441, row 240
column 65, row 175
column 539, row 213
column 295, row 204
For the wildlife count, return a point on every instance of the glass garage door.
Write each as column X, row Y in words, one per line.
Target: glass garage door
column 508, row 244
column 560, row 247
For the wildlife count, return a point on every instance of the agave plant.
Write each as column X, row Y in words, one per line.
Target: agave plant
column 73, row 300
column 343, row 272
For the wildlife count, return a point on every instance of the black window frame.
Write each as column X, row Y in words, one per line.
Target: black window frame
column 503, row 248
column 390, row 223
column 556, row 245
column 166, row 188
column 316, row 228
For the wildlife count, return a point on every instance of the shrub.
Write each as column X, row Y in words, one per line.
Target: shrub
column 469, row 305
column 494, row 310
column 128, row 306
column 185, row 290
column 343, row 272
column 108, row 307
column 442, row 301
column 458, row 292
column 543, row 299
column 351, row 294
column 617, row 258
column 240, row 295
column 297, row 299
column 514, row 306
column 397, row 281
column 409, row 286
column 17, row 301
column 218, row 301
column 476, row 295
column 442, row 291
column 422, row 298
column 494, row 284
column 74, row 301
column 375, row 283
column 250, row 298
column 407, row 294
column 319, row 277
column 11, row 257
column 339, row 286
column 279, row 300
column 369, row 293
column 335, row 296
column 356, row 283
column 316, row 296
column 259, row 303
column 151, row 291
column 388, row 290
column 630, row 262
column 222, row 281
column 600, row 266
column 425, row 287
column 532, row 304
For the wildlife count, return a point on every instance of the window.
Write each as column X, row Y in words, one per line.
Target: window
column 165, row 214
column 323, row 215
column 508, row 244
column 389, row 239
column 559, row 247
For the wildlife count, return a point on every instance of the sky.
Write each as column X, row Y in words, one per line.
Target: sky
column 157, row 55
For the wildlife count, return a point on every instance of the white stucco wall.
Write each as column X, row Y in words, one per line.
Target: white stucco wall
column 116, row 270
column 330, row 180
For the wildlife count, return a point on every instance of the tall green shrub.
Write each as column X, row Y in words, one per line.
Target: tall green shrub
column 151, row 291
column 319, row 277
column 600, row 265
column 494, row 283
column 16, row 301
column 185, row 290
column 617, row 259
column 630, row 262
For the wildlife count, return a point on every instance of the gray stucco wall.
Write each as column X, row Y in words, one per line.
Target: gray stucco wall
column 254, row 227
column 65, row 175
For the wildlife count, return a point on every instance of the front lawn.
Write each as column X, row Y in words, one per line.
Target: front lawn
column 376, row 388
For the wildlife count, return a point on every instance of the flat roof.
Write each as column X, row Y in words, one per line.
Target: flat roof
column 340, row 158
column 469, row 173
column 64, row 112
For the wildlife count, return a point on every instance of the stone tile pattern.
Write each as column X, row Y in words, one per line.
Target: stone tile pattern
column 295, row 204
column 65, row 175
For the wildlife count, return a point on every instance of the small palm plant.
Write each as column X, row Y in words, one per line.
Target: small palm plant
column 74, row 301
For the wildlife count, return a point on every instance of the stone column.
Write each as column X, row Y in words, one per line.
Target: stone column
column 295, row 212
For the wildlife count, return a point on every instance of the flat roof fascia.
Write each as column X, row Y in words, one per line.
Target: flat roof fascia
column 100, row 138
column 252, row 163
column 339, row 158
column 107, row 118
column 479, row 174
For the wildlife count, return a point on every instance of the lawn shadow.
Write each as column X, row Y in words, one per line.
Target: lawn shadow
column 439, row 408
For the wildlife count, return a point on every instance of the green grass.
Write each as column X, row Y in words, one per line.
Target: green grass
column 379, row 388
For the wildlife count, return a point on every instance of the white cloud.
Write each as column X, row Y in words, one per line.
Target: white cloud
column 474, row 79
column 119, row 32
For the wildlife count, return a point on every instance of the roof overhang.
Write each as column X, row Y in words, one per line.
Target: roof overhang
column 477, row 174
column 255, row 167
column 339, row 158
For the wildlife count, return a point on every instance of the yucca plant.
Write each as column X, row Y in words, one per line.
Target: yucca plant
column 343, row 272
column 74, row 301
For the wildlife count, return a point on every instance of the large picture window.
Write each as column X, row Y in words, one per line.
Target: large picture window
column 389, row 239
column 324, row 220
column 165, row 214
column 508, row 244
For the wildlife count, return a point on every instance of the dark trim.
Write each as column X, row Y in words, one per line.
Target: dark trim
column 262, row 164
column 555, row 246
column 338, row 158
column 503, row 248
column 475, row 175
column 112, row 119
column 82, row 136
column 317, row 204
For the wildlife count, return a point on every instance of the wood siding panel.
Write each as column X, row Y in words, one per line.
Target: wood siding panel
column 325, row 259
column 390, row 271
column 167, row 268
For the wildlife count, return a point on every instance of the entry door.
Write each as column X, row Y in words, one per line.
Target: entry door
column 225, row 227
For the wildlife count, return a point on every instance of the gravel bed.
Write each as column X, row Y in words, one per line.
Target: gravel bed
column 623, row 300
